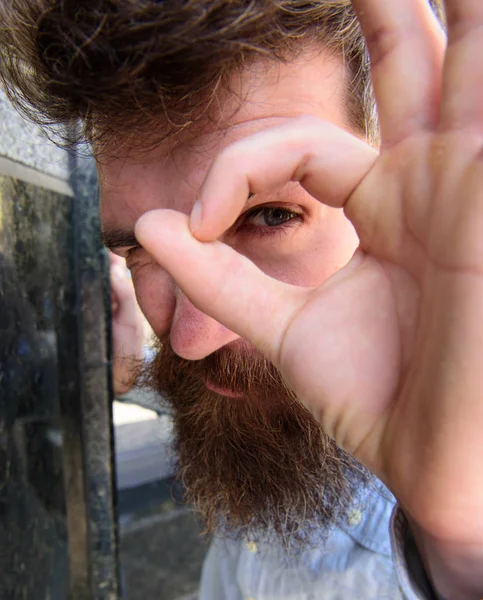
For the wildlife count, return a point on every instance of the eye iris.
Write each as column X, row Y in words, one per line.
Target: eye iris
column 276, row 216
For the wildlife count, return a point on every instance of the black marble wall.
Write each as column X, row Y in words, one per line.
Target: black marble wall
column 58, row 535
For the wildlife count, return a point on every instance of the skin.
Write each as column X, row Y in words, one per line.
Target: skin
column 127, row 326
column 311, row 245
column 386, row 353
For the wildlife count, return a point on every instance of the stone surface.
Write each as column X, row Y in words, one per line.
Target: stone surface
column 162, row 556
column 36, row 291
column 24, row 142
column 56, row 460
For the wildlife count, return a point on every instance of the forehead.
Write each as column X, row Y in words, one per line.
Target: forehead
column 265, row 95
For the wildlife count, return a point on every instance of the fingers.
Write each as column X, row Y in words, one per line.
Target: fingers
column 463, row 75
column 327, row 161
column 406, row 45
column 237, row 294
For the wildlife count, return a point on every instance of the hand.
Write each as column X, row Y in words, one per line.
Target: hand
column 386, row 353
column 127, row 327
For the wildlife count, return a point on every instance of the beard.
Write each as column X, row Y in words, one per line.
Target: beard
column 257, row 466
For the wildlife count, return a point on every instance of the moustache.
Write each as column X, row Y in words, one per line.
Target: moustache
column 237, row 367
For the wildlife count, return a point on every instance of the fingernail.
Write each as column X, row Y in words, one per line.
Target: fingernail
column 195, row 218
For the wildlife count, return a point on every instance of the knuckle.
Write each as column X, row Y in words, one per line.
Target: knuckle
column 382, row 42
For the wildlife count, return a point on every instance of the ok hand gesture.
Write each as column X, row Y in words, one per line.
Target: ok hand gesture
column 386, row 353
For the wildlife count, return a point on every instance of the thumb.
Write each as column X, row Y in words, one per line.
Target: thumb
column 222, row 283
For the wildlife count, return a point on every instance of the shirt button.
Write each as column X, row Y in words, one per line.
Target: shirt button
column 252, row 547
column 354, row 517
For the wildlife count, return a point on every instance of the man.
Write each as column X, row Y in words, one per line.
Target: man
column 187, row 101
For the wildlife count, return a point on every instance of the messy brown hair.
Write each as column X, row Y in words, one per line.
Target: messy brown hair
column 127, row 67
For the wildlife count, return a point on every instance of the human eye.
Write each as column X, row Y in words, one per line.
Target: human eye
column 269, row 219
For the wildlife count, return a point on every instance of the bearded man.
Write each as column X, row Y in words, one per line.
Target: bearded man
column 322, row 301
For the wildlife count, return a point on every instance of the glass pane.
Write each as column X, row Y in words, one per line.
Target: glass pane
column 36, row 322
column 58, row 530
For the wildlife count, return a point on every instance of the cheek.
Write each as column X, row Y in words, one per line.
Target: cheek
column 155, row 295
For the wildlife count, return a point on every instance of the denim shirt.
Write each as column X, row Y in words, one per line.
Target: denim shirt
column 355, row 562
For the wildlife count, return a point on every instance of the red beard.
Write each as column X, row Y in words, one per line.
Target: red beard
column 258, row 465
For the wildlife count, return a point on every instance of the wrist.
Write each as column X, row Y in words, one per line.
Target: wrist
column 454, row 568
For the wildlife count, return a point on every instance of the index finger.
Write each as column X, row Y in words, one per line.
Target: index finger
column 463, row 77
column 406, row 46
column 327, row 161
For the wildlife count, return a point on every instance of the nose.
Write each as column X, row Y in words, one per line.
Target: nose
column 195, row 335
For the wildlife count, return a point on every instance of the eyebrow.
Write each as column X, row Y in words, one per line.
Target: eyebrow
column 116, row 237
